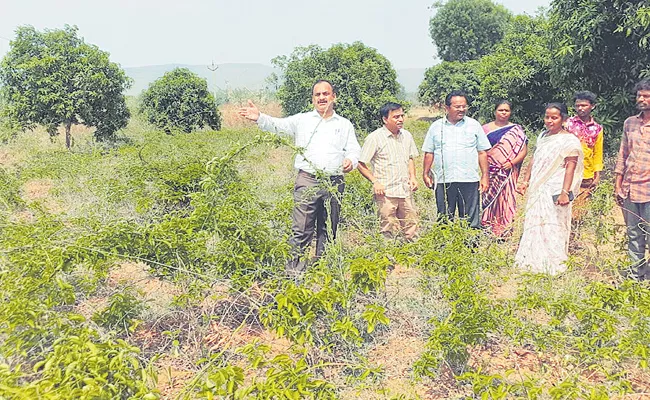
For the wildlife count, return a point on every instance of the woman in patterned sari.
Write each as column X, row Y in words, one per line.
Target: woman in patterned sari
column 509, row 148
column 554, row 176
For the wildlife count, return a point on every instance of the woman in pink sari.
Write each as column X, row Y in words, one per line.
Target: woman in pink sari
column 509, row 148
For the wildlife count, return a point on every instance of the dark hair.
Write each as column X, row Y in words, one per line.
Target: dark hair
column 585, row 95
column 502, row 101
column 561, row 107
column 323, row 81
column 643, row 84
column 454, row 93
column 387, row 108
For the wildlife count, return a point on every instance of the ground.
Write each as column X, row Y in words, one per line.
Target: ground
column 187, row 320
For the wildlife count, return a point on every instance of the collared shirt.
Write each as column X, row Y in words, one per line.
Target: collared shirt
column 633, row 161
column 389, row 156
column 326, row 142
column 591, row 137
column 455, row 149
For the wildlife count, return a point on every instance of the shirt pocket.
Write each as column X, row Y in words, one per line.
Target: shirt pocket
column 466, row 141
column 339, row 140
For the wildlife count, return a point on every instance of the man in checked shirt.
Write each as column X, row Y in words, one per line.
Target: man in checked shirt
column 633, row 180
column 390, row 151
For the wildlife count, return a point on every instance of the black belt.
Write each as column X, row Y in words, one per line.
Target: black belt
column 312, row 176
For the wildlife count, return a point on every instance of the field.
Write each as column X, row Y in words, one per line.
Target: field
column 153, row 268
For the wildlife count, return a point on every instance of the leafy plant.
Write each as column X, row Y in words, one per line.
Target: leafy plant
column 122, row 311
column 369, row 275
column 518, row 70
column 375, row 315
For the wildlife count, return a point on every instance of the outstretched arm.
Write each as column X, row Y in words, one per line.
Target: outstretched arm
column 267, row 123
column 619, row 170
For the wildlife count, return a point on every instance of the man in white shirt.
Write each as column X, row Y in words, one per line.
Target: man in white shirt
column 330, row 149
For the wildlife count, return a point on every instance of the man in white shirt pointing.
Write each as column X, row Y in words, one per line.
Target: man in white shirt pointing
column 330, row 149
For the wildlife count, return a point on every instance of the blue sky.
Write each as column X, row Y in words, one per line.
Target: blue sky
column 153, row 32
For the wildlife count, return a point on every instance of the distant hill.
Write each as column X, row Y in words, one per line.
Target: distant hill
column 241, row 76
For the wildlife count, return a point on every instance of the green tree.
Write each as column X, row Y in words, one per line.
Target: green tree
column 180, row 100
column 465, row 30
column 54, row 78
column 442, row 78
column 602, row 46
column 364, row 79
column 518, row 70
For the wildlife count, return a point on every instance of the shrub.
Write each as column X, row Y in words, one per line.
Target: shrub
column 180, row 100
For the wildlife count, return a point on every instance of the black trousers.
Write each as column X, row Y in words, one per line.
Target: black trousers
column 314, row 201
column 462, row 197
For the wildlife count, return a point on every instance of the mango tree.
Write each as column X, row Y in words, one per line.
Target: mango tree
column 55, row 78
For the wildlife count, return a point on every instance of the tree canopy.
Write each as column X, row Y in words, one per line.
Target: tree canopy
column 518, row 70
column 442, row 78
column 465, row 30
column 602, row 46
column 364, row 78
column 54, row 78
column 180, row 99
column 597, row 45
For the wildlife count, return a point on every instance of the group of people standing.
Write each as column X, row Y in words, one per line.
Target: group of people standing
column 474, row 170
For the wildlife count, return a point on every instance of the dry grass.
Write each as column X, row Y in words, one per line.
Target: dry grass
column 424, row 113
column 231, row 119
column 39, row 191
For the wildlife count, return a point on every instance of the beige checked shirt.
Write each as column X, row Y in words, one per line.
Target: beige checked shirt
column 634, row 159
column 388, row 156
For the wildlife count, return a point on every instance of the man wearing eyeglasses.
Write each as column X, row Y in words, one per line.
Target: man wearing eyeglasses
column 632, row 184
column 456, row 147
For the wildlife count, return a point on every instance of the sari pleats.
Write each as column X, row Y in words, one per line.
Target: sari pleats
column 499, row 201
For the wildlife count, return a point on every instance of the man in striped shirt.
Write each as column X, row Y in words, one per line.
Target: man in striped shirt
column 633, row 180
column 390, row 152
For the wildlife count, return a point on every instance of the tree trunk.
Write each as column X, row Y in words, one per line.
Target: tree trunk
column 67, row 134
